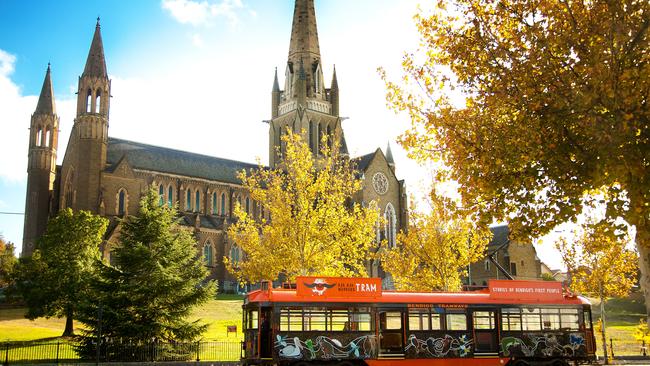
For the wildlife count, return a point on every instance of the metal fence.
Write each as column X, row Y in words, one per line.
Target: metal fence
column 63, row 351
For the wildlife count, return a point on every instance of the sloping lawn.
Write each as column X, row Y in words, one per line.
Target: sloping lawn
column 219, row 313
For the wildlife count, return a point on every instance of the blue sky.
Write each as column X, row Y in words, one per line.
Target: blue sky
column 196, row 75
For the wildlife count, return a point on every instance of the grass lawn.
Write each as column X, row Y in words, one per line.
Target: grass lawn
column 219, row 313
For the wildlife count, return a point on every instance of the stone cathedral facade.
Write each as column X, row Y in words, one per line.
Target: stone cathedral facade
column 108, row 175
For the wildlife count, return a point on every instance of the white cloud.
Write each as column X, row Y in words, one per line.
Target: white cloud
column 198, row 13
column 197, row 40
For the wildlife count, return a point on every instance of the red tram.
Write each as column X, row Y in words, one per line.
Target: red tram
column 351, row 321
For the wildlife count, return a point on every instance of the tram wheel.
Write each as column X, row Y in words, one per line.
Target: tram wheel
column 559, row 363
column 345, row 363
column 520, row 363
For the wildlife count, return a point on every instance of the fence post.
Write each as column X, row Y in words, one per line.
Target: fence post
column 6, row 354
column 611, row 347
column 198, row 349
column 57, row 351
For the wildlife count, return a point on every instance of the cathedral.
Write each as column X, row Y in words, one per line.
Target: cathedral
column 108, row 175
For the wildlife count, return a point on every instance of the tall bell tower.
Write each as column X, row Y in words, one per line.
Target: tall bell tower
column 305, row 105
column 81, row 175
column 41, row 166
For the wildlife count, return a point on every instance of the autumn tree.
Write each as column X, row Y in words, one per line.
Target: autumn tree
column 435, row 252
column 7, row 261
column 56, row 278
column 600, row 265
column 306, row 222
column 555, row 109
column 155, row 280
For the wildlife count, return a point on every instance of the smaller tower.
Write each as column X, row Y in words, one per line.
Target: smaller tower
column 389, row 158
column 334, row 94
column 275, row 96
column 41, row 166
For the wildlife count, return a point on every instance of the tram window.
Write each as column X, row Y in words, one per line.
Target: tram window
column 314, row 320
column 587, row 319
column 550, row 319
column 291, row 320
column 393, row 320
column 483, row 320
column 569, row 319
column 456, row 321
column 339, row 320
column 436, row 322
column 419, row 319
column 530, row 319
column 361, row 322
column 511, row 319
column 253, row 319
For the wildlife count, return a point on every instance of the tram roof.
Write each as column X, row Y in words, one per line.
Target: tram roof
column 399, row 297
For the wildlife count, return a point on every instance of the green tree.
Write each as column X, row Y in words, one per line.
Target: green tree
column 56, row 278
column 600, row 265
column 435, row 252
column 556, row 109
column 7, row 262
column 156, row 279
column 311, row 226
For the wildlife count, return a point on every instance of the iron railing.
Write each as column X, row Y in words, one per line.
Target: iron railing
column 58, row 351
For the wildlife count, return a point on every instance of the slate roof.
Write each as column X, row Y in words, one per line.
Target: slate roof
column 500, row 236
column 165, row 160
column 362, row 162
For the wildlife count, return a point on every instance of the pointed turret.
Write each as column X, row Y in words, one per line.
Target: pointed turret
column 334, row 94
column 389, row 158
column 46, row 104
column 96, row 62
column 41, row 166
column 275, row 95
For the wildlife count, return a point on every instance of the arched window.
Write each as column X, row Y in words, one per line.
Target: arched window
column 207, row 253
column 161, row 193
column 234, row 254
column 68, row 190
column 121, row 202
column 188, row 200
column 48, row 136
column 214, row 203
column 170, row 196
column 390, row 218
column 311, row 135
column 248, row 205
column 487, row 265
column 329, row 137
column 98, row 100
column 197, row 201
column 39, row 136
column 223, row 203
column 89, row 101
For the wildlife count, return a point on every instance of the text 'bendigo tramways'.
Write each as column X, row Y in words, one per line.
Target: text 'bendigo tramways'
column 338, row 287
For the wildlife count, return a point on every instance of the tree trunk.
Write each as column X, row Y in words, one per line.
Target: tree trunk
column 643, row 247
column 602, row 323
column 69, row 326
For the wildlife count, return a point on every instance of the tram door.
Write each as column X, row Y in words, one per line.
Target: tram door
column 391, row 333
column 266, row 336
column 485, row 331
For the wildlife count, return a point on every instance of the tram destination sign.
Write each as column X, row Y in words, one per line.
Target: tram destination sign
column 338, row 287
column 525, row 290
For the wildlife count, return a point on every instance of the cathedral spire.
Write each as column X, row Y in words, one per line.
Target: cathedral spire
column 96, row 63
column 276, row 85
column 304, row 35
column 46, row 104
column 335, row 82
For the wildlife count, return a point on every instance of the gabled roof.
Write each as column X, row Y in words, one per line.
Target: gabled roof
column 164, row 160
column 500, row 236
column 362, row 162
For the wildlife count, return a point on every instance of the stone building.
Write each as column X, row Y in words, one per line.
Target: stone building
column 518, row 258
column 108, row 175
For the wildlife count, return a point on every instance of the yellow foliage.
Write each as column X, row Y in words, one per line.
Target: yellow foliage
column 437, row 249
column 309, row 224
column 598, row 263
column 642, row 333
